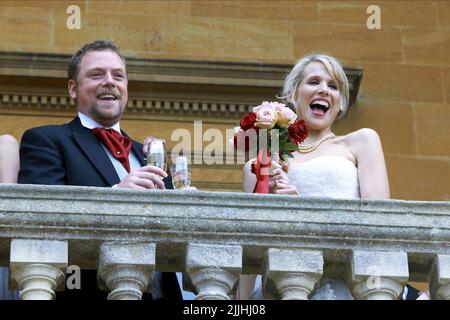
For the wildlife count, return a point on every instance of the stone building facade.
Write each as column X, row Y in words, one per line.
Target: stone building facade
column 212, row 60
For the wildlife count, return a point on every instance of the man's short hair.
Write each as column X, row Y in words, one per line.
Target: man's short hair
column 98, row 45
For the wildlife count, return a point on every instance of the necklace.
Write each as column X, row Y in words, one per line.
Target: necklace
column 310, row 147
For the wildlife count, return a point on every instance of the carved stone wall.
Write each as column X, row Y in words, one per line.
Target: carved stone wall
column 164, row 95
column 404, row 96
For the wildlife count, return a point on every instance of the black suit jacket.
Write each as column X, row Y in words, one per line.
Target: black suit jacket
column 70, row 154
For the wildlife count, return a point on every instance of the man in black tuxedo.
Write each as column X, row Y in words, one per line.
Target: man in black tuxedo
column 82, row 153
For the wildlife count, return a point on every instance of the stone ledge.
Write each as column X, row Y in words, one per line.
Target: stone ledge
column 87, row 216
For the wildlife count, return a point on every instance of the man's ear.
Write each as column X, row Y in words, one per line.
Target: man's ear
column 72, row 86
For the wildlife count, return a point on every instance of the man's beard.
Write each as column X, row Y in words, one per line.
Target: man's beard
column 99, row 113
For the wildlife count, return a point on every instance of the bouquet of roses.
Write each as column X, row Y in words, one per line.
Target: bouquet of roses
column 275, row 130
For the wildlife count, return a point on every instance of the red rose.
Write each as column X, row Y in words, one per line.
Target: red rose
column 248, row 121
column 298, row 131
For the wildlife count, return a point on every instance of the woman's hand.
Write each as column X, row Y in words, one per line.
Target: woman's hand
column 276, row 173
column 279, row 181
column 283, row 187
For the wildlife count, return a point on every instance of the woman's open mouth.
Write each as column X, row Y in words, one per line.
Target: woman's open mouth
column 319, row 107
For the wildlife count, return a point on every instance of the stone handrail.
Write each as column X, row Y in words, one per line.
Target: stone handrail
column 375, row 245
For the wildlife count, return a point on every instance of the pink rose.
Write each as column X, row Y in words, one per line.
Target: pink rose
column 266, row 117
column 277, row 106
column 264, row 104
column 286, row 117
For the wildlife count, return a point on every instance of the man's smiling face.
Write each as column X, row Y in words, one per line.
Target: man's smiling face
column 101, row 88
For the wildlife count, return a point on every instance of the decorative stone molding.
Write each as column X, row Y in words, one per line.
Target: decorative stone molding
column 60, row 102
column 127, row 269
column 440, row 278
column 213, row 269
column 86, row 217
column 38, row 268
column 170, row 87
column 376, row 275
column 294, row 272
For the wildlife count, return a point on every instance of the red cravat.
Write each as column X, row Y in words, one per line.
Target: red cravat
column 119, row 145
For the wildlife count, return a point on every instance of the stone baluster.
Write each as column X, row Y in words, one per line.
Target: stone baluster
column 38, row 268
column 291, row 274
column 126, row 269
column 378, row 275
column 440, row 278
column 213, row 269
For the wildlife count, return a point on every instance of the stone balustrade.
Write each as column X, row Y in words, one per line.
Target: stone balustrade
column 375, row 246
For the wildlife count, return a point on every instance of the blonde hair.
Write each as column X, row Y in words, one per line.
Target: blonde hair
column 334, row 68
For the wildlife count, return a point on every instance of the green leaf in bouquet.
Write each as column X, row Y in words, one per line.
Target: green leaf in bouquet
column 291, row 146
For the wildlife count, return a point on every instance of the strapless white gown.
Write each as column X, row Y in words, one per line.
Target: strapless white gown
column 325, row 176
column 330, row 177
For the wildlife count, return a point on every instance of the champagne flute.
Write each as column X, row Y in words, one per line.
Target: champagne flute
column 181, row 175
column 157, row 154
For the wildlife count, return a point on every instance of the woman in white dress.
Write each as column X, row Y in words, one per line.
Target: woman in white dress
column 9, row 169
column 348, row 166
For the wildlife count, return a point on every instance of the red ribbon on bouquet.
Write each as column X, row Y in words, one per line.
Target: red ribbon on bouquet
column 261, row 168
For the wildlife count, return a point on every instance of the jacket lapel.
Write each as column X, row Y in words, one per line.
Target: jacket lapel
column 94, row 151
column 136, row 148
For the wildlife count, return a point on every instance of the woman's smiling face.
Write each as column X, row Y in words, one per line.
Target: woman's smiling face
column 318, row 97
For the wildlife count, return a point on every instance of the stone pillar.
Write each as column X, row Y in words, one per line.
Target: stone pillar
column 291, row 274
column 378, row 275
column 126, row 269
column 440, row 278
column 213, row 269
column 38, row 268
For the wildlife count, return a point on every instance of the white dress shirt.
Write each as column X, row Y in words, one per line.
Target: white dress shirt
column 121, row 172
